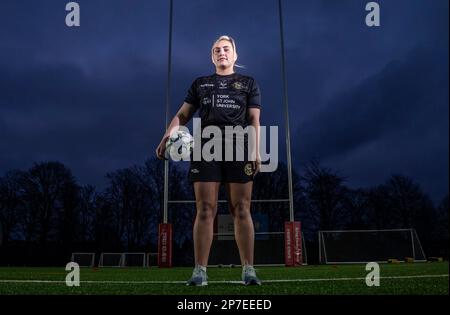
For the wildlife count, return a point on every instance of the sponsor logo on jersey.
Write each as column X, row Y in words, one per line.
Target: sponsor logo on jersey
column 206, row 85
column 206, row 101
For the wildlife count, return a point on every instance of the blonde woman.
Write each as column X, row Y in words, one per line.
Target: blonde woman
column 225, row 98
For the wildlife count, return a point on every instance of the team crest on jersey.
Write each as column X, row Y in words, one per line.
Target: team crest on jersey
column 248, row 169
column 238, row 85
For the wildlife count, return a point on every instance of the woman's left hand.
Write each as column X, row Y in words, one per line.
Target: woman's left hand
column 256, row 166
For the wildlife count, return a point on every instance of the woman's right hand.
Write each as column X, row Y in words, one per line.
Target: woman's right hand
column 161, row 149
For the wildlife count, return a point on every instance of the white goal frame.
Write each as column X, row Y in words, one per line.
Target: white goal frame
column 323, row 254
column 144, row 258
column 148, row 259
column 121, row 261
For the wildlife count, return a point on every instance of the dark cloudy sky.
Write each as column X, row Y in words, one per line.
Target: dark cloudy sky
column 366, row 102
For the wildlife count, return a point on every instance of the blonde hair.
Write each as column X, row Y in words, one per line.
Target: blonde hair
column 233, row 44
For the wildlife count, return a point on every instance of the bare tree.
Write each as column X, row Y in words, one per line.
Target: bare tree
column 127, row 196
column 442, row 215
column 269, row 186
column 379, row 209
column 67, row 215
column 105, row 225
column 180, row 215
column 154, row 181
column 408, row 202
column 86, row 211
column 325, row 195
column 10, row 202
column 356, row 207
column 45, row 195
column 135, row 196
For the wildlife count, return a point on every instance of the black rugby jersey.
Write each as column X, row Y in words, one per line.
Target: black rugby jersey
column 223, row 100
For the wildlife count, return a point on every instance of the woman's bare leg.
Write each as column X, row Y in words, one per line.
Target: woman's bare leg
column 240, row 196
column 206, row 194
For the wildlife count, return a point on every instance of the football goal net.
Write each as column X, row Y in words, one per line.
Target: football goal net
column 269, row 250
column 362, row 246
column 134, row 260
column 111, row 260
column 152, row 259
column 84, row 259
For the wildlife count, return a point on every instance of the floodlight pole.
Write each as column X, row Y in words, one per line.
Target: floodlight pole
column 169, row 71
column 286, row 115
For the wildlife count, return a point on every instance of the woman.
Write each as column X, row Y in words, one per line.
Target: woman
column 225, row 98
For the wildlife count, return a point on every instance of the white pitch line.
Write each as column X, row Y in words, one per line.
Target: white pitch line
column 360, row 278
column 224, row 282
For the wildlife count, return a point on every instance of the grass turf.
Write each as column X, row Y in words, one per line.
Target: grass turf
column 314, row 280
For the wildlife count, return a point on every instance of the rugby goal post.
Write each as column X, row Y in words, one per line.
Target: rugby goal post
column 294, row 258
column 362, row 246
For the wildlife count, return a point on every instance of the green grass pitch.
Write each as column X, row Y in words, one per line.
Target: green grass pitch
column 395, row 279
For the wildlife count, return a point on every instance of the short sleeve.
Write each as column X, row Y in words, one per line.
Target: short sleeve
column 192, row 96
column 254, row 96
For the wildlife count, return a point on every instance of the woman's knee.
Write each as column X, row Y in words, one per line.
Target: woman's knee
column 206, row 210
column 240, row 210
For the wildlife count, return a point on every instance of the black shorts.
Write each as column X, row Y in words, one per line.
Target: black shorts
column 221, row 171
column 234, row 171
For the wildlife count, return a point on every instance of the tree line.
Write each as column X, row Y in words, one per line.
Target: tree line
column 45, row 204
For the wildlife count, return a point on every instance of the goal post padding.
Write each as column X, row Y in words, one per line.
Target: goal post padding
column 293, row 244
column 165, row 245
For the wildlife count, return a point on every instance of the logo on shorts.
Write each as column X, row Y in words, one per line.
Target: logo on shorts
column 195, row 171
column 248, row 169
column 238, row 85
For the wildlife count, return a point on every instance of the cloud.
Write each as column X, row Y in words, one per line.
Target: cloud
column 94, row 97
column 396, row 120
column 56, row 112
column 405, row 94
